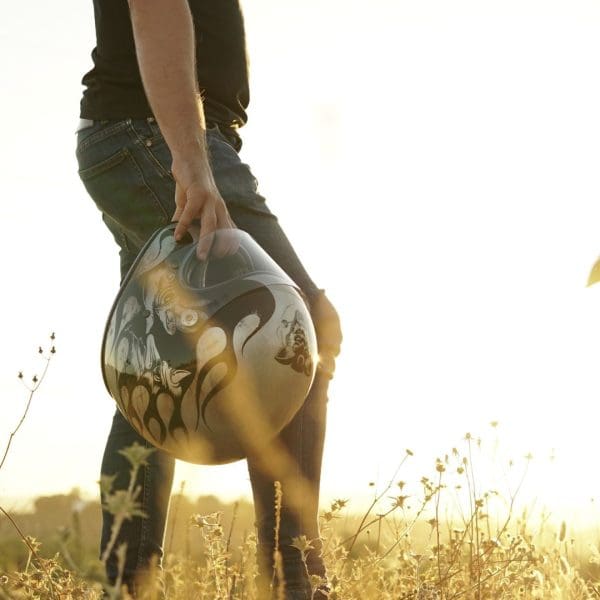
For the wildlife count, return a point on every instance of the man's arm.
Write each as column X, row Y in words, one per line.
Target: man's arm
column 164, row 38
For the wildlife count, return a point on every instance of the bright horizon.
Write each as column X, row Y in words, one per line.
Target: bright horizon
column 437, row 170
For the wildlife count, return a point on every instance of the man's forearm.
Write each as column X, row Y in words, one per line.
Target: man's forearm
column 164, row 38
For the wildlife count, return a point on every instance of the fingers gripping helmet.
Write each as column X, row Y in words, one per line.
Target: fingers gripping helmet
column 208, row 359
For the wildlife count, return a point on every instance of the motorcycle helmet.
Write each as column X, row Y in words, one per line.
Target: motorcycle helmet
column 208, row 359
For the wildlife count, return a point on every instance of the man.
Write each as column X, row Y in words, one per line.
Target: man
column 150, row 150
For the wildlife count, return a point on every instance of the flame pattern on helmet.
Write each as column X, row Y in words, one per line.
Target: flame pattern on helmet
column 145, row 376
column 260, row 302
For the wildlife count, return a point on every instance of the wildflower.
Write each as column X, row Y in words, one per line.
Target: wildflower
column 121, row 503
column 398, row 501
column 302, row 543
column 106, row 483
column 136, row 454
column 339, row 504
column 197, row 521
column 212, row 520
column 410, row 452
column 328, row 515
column 32, row 543
column 20, row 375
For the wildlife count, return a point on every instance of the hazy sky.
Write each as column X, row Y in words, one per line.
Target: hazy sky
column 437, row 167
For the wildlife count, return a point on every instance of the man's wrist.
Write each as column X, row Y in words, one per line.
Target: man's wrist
column 185, row 135
column 189, row 150
column 192, row 161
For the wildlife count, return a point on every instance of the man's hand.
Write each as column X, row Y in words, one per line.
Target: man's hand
column 197, row 197
column 329, row 332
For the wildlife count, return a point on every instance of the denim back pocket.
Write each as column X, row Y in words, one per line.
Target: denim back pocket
column 120, row 189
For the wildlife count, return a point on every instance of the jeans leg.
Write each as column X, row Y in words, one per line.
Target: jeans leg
column 294, row 459
column 142, row 535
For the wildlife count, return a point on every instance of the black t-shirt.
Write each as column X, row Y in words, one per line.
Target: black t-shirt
column 114, row 87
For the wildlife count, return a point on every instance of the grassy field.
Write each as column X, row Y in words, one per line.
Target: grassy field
column 443, row 537
column 445, row 541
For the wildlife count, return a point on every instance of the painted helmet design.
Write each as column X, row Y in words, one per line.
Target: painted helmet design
column 208, row 359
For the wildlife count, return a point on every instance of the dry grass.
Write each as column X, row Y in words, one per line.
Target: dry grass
column 400, row 548
column 441, row 538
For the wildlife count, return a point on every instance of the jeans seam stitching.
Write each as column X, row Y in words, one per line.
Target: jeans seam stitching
column 147, row 186
column 162, row 172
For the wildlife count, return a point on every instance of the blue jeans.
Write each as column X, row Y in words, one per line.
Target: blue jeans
column 125, row 167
